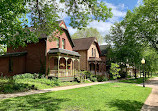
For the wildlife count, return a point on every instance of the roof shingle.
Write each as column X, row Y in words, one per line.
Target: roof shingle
column 83, row 43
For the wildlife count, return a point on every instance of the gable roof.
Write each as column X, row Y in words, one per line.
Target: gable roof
column 83, row 43
column 43, row 36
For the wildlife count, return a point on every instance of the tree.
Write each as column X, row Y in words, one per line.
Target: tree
column 114, row 70
column 43, row 16
column 88, row 32
column 143, row 23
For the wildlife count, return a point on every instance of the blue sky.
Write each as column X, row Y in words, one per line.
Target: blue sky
column 119, row 9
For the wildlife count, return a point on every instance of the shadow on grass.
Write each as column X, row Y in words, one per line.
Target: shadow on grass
column 11, row 86
column 42, row 102
column 126, row 105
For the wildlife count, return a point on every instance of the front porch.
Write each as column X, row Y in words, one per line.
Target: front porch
column 63, row 63
column 96, row 66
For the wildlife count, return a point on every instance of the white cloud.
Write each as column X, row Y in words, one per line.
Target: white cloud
column 104, row 27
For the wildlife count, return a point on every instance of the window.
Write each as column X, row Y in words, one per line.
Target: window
column 92, row 52
column 63, row 43
column 58, row 42
column 10, row 65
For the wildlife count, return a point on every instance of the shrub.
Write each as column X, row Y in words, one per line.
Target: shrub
column 93, row 78
column 123, row 75
column 23, row 76
column 101, row 78
column 80, row 78
column 87, row 73
column 114, row 70
column 11, row 86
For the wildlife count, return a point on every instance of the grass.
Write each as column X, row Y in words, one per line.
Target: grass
column 25, row 82
column 103, row 97
column 137, row 81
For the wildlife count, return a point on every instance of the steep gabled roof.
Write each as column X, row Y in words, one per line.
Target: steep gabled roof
column 83, row 43
column 43, row 36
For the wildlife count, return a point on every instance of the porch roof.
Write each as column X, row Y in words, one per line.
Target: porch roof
column 92, row 59
column 63, row 51
column 13, row 54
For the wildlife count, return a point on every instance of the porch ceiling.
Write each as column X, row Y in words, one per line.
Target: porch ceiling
column 63, row 51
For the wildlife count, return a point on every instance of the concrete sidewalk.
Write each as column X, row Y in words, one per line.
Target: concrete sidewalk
column 151, row 104
column 5, row 96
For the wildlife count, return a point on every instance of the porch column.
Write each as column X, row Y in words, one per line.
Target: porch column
column 95, row 67
column 73, row 60
column 66, row 65
column 78, row 64
column 58, row 64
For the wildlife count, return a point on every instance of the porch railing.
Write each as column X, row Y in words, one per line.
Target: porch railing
column 62, row 73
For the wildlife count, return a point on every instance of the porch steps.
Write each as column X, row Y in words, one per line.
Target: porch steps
column 66, row 78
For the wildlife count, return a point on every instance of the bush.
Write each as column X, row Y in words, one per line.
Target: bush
column 123, row 75
column 80, row 77
column 10, row 86
column 23, row 76
column 87, row 73
column 93, row 78
column 101, row 78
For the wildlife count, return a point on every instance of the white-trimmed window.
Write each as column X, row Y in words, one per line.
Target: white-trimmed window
column 63, row 43
column 58, row 42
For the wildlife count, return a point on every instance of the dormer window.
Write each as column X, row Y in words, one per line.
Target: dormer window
column 63, row 43
column 58, row 42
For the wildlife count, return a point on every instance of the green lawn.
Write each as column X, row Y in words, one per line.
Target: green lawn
column 24, row 84
column 137, row 81
column 104, row 97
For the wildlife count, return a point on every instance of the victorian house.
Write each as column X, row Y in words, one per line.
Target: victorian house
column 54, row 58
column 91, row 57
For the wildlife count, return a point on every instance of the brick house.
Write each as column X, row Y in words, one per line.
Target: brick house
column 91, row 59
column 55, row 58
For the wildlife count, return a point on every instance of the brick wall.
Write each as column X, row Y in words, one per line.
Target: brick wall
column 83, row 60
column 53, row 43
column 18, row 65
column 35, row 58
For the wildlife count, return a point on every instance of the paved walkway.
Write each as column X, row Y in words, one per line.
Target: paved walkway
column 151, row 104
column 5, row 96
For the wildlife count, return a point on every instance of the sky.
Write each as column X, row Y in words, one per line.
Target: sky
column 119, row 9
